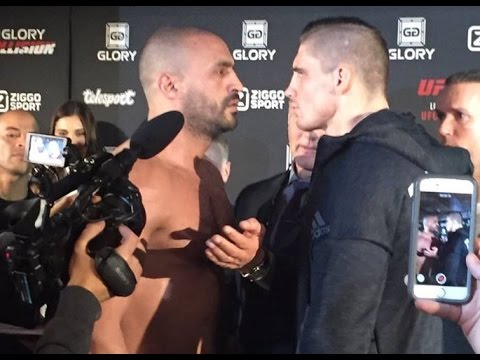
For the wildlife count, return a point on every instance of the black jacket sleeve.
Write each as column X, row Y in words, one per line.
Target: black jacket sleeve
column 345, row 296
column 70, row 330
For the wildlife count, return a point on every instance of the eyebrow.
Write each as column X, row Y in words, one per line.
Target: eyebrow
column 12, row 128
column 66, row 130
column 298, row 69
column 225, row 63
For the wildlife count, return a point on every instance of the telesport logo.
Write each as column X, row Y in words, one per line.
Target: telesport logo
column 255, row 39
column 25, row 42
column 411, row 37
column 98, row 97
column 117, row 41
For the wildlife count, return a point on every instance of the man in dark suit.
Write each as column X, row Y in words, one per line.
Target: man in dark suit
column 266, row 285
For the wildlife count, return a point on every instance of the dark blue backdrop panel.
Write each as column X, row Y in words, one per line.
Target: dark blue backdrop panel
column 34, row 59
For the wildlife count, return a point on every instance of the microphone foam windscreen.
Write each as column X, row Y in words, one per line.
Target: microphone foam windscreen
column 154, row 135
column 6, row 238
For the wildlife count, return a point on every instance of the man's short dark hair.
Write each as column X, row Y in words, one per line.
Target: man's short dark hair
column 461, row 77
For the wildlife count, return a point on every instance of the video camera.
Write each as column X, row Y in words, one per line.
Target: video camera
column 36, row 249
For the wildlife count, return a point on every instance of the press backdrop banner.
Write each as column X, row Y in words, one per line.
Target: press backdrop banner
column 51, row 54
column 48, row 54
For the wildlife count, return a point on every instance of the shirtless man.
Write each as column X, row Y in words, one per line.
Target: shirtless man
column 175, row 306
column 427, row 248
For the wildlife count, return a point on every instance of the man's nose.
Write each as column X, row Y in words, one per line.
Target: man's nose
column 447, row 126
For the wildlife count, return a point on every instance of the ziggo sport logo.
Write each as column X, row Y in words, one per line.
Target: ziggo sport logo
column 261, row 99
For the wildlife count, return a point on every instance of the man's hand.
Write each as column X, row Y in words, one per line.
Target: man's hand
column 237, row 250
column 82, row 266
column 431, row 253
column 466, row 315
column 63, row 203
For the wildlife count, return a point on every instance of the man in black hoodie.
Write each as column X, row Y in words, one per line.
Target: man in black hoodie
column 359, row 209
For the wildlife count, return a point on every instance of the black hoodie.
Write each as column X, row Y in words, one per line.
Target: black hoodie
column 357, row 231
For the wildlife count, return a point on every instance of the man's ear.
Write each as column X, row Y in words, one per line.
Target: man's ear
column 167, row 84
column 343, row 77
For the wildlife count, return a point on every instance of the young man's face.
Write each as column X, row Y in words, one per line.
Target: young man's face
column 311, row 90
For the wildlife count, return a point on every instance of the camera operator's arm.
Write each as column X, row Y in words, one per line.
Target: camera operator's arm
column 71, row 328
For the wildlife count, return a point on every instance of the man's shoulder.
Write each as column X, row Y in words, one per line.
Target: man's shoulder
column 273, row 182
column 254, row 196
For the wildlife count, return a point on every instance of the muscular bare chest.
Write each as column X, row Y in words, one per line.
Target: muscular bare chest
column 186, row 207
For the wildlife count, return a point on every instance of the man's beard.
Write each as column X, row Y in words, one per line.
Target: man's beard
column 205, row 118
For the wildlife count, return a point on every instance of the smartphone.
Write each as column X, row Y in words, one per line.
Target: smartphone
column 45, row 149
column 442, row 234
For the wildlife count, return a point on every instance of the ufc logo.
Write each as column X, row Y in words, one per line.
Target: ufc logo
column 473, row 40
column 430, row 87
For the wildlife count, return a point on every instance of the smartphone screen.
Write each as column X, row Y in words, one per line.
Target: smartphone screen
column 442, row 235
column 45, row 149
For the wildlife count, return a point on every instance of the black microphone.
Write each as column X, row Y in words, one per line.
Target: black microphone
column 6, row 238
column 154, row 135
column 148, row 140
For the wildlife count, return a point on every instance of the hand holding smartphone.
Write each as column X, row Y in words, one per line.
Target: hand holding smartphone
column 442, row 234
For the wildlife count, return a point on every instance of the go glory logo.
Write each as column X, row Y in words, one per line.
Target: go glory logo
column 411, row 39
column 25, row 42
column 261, row 99
column 254, row 38
column 20, row 101
column 117, row 41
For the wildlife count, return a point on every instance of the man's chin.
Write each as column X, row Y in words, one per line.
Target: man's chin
column 230, row 123
column 21, row 171
column 305, row 161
